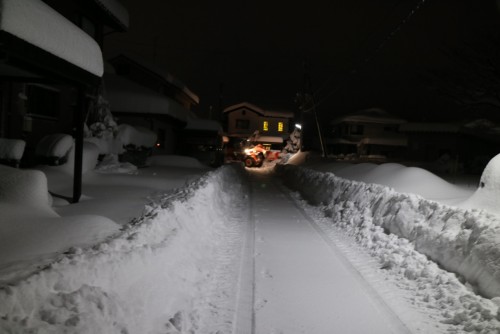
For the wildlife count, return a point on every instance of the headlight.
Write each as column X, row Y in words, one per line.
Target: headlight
column 248, row 151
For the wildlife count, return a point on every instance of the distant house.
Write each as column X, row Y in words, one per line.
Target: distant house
column 243, row 119
column 469, row 144
column 369, row 133
column 49, row 71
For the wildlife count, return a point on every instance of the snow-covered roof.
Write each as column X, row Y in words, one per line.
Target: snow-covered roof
column 430, row 127
column 372, row 115
column 127, row 96
column 253, row 107
column 158, row 71
column 244, row 105
column 116, row 10
column 38, row 24
column 278, row 113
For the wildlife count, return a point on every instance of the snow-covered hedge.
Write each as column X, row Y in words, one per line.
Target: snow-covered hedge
column 461, row 241
column 149, row 277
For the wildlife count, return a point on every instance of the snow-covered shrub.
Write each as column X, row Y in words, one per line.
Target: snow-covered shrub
column 293, row 142
column 89, row 158
column 101, row 127
column 136, row 136
column 138, row 143
column 11, row 149
column 100, row 121
column 23, row 187
column 54, row 149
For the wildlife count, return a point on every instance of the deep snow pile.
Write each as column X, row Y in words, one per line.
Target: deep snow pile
column 401, row 178
column 30, row 230
column 171, row 270
column 487, row 195
column 464, row 242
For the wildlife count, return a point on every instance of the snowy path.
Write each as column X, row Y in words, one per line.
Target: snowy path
column 302, row 284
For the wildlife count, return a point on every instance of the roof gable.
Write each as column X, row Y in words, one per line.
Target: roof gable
column 260, row 111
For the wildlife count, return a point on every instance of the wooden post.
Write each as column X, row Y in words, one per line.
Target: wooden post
column 79, row 120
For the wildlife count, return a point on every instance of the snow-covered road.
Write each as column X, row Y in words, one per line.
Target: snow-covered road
column 302, row 282
column 323, row 254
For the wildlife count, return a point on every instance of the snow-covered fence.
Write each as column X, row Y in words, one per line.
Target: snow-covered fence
column 466, row 242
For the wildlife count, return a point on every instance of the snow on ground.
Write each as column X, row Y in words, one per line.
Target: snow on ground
column 11, row 149
column 157, row 249
column 404, row 231
column 169, row 270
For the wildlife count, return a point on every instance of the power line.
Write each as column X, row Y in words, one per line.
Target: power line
column 364, row 43
column 370, row 56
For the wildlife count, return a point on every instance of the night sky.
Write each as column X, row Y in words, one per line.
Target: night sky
column 361, row 53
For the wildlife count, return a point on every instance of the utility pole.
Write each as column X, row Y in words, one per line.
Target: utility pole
column 309, row 115
column 221, row 101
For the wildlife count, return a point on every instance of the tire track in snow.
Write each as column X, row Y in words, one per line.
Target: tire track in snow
column 304, row 285
column 244, row 322
column 340, row 249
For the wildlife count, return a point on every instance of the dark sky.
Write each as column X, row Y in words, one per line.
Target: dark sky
column 255, row 49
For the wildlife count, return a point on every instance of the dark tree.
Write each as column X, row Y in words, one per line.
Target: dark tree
column 472, row 77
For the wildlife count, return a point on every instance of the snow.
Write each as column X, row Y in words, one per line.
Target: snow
column 487, row 195
column 11, row 149
column 168, row 77
column 401, row 178
column 55, row 145
column 175, row 161
column 36, row 23
column 163, row 248
column 135, row 135
column 129, row 97
column 267, row 113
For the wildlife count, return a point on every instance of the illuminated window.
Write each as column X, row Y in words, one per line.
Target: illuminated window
column 265, row 126
column 280, row 126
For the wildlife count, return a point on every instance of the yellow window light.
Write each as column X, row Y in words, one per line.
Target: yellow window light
column 280, row 126
column 265, row 126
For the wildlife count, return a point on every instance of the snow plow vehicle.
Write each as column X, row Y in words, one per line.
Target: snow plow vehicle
column 255, row 156
column 256, row 152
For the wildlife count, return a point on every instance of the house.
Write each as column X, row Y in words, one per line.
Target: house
column 143, row 95
column 49, row 72
column 447, row 147
column 155, row 78
column 243, row 119
column 367, row 134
